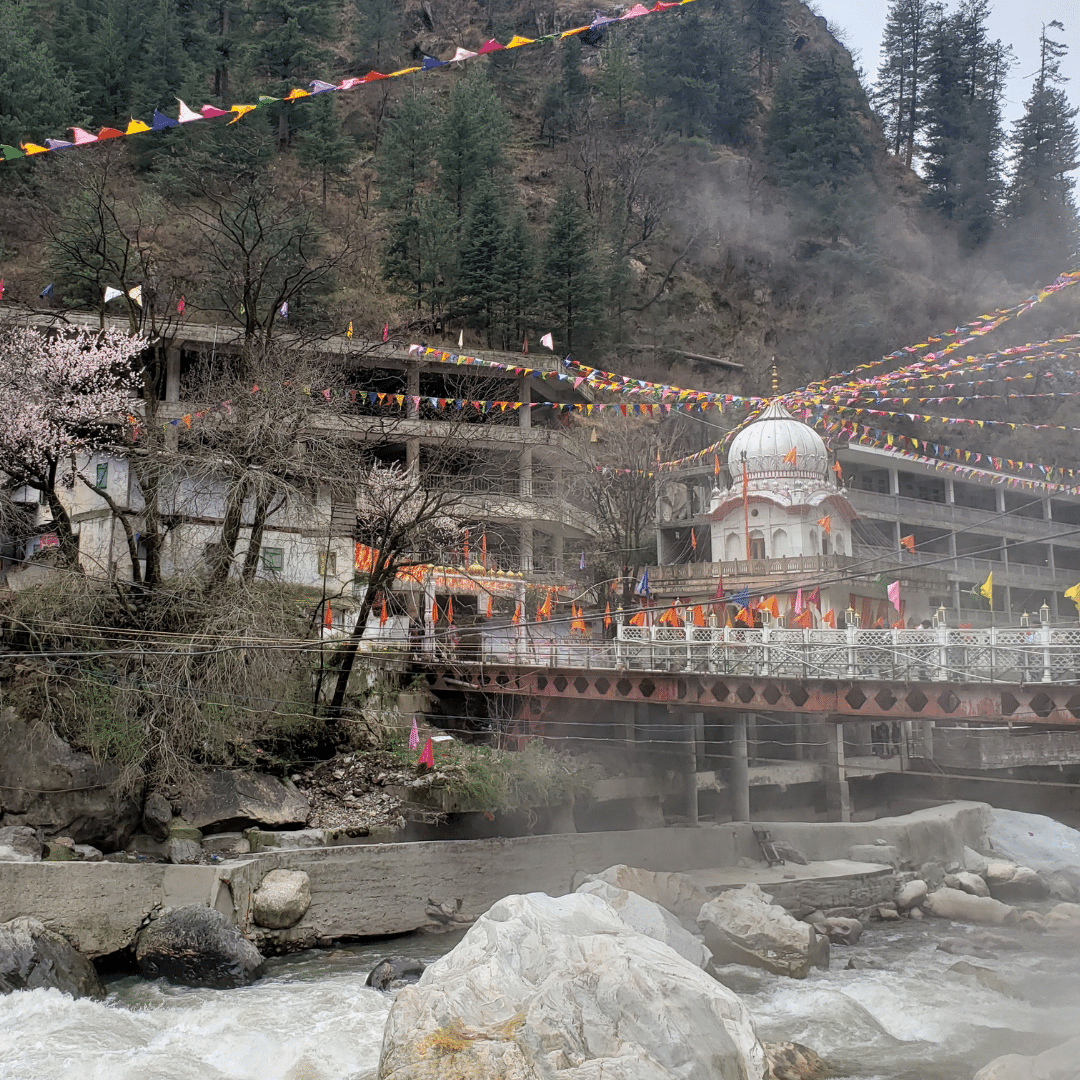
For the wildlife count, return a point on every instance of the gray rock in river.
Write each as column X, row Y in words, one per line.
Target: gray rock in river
column 156, row 816
column 394, row 972
column 543, row 986
column 1056, row 1064
column 197, row 946
column 33, row 957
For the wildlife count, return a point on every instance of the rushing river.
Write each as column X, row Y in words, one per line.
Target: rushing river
column 312, row 1018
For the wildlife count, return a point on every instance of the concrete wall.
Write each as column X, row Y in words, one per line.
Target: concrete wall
column 380, row 889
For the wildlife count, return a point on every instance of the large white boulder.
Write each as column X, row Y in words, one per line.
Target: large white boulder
column 678, row 893
column 911, row 894
column 1033, row 840
column 960, row 906
column 649, row 919
column 543, row 987
column 743, row 926
column 282, row 899
column 967, row 882
column 1056, row 1064
column 1063, row 919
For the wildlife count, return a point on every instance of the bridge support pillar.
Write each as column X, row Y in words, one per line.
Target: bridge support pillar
column 837, row 793
column 740, row 771
column 695, row 722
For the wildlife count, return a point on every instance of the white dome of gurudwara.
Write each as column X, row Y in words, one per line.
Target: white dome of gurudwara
column 763, row 445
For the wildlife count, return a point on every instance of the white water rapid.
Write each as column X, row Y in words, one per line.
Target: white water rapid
column 312, row 1018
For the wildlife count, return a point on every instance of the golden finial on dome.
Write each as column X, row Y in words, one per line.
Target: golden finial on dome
column 775, row 378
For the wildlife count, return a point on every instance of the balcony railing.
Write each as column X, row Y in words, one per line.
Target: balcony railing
column 1006, row 655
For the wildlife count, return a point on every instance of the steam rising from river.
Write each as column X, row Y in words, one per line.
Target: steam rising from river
column 313, row 1018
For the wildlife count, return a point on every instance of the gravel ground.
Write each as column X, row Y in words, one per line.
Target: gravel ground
column 348, row 792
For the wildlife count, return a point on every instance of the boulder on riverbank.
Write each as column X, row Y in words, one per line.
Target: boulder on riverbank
column 19, row 843
column 743, row 926
column 230, row 801
column 394, row 972
column 50, row 787
column 677, row 893
column 544, row 987
column 650, row 919
column 960, row 906
column 282, row 899
column 33, row 957
column 197, row 946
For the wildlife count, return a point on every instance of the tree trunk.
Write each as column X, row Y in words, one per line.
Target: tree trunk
column 258, row 526
column 68, row 542
column 225, row 548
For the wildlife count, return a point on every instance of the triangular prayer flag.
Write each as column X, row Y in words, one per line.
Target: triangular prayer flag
column 348, row 333
column 187, row 115
column 987, row 588
column 826, row 524
column 829, row 618
column 83, row 137
column 414, row 735
column 283, row 311
column 517, row 41
column 317, row 86
column 489, row 46
column 385, row 331
column 908, row 542
column 181, row 304
column 135, row 293
column 10, row 153
column 791, row 457
column 461, row 54
column 160, row 121
column 1073, row 594
column 893, row 592
column 111, row 293
column 210, row 111
column 33, row 148
column 427, row 755
column 47, row 291
column 240, row 110
column 548, row 342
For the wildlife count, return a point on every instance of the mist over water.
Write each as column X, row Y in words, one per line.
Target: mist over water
column 312, row 1018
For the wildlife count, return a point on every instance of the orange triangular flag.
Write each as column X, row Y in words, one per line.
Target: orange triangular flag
column 382, row 615
column 699, row 615
column 427, row 755
column 826, row 523
column 607, row 615
column 908, row 542
column 838, row 470
column 829, row 618
column 791, row 457
column 772, row 607
column 328, row 616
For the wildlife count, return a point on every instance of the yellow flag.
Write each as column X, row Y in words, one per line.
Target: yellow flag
column 1073, row 594
column 348, row 333
column 987, row 588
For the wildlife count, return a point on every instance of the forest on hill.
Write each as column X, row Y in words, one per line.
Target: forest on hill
column 712, row 180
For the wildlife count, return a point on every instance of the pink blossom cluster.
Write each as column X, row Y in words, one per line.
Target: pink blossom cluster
column 61, row 396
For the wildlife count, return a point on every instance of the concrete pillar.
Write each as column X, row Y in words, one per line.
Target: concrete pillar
column 698, row 720
column 1000, row 495
column 689, row 768
column 950, row 491
column 557, row 552
column 740, row 771
column 751, row 738
column 894, row 482
column 172, row 374
column 837, row 793
column 412, row 389
column 526, row 543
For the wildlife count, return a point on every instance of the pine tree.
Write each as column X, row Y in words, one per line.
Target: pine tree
column 963, row 121
column 378, row 27
column 1042, row 232
column 764, row 29
column 569, row 282
column 322, row 145
column 901, row 81
column 696, row 71
column 813, row 135
column 477, row 285
column 516, row 275
column 618, row 78
column 37, row 99
column 471, row 137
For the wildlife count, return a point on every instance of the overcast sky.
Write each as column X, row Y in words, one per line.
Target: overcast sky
column 1016, row 22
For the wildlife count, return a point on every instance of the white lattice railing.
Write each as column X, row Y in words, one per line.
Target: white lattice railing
column 1012, row 655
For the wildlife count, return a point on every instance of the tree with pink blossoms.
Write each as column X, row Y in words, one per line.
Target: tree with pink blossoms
column 61, row 397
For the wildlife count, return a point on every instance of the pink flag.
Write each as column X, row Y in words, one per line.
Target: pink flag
column 798, row 602
column 427, row 755
column 414, row 736
column 894, row 594
column 180, row 305
column 1, row 288
column 385, row 331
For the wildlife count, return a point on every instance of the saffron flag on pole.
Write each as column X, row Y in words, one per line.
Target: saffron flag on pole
column 798, row 601
column 607, row 614
column 829, row 619
column 826, row 524
column 791, row 457
column 383, row 617
column 894, row 594
column 693, row 538
column 414, row 736
column 908, row 542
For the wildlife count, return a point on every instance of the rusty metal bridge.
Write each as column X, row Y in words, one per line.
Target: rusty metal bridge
column 1028, row 675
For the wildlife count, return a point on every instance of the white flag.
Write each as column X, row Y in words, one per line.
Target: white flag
column 548, row 342
column 136, row 294
column 187, row 115
column 283, row 311
column 111, row 293
column 461, row 339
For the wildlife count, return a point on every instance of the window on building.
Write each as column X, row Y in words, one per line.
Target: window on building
column 101, row 481
column 327, row 563
column 757, row 547
column 273, row 559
